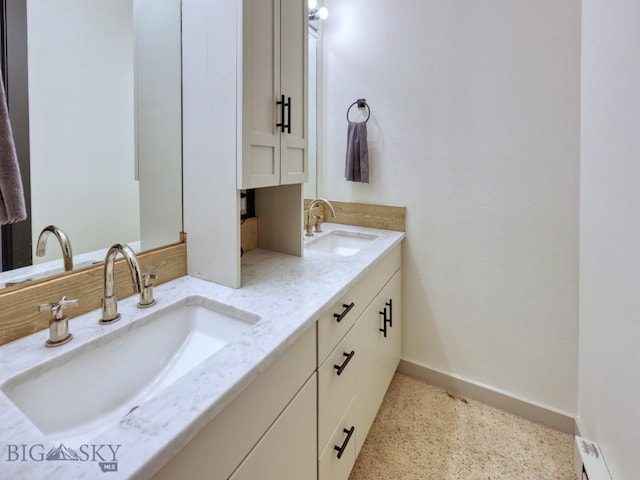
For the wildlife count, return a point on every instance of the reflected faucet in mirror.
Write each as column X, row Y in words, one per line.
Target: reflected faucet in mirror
column 318, row 221
column 63, row 240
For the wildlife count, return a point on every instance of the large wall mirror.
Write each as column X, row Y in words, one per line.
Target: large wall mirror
column 311, row 186
column 105, row 121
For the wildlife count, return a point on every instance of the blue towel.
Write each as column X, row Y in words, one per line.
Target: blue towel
column 12, row 204
column 357, row 161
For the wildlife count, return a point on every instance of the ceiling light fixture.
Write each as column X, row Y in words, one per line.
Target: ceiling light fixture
column 318, row 13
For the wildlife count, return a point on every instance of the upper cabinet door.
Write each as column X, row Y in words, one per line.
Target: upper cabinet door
column 274, row 93
column 260, row 154
column 294, row 85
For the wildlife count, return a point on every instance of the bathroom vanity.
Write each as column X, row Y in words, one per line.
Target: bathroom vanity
column 282, row 399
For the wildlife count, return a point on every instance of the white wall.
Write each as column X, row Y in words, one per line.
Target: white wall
column 81, row 122
column 475, row 128
column 609, row 387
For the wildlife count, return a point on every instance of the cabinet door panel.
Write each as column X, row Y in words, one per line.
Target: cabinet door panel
column 293, row 84
column 379, row 355
column 288, row 449
column 260, row 164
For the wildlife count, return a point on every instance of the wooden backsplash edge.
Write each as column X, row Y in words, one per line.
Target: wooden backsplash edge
column 387, row 217
column 19, row 314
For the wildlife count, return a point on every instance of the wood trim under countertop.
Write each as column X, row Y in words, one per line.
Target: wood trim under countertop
column 19, row 315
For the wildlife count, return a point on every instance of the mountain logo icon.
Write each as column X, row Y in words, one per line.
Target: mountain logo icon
column 62, row 453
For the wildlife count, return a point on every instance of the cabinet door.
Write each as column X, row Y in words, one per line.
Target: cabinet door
column 294, row 86
column 288, row 449
column 259, row 165
column 379, row 353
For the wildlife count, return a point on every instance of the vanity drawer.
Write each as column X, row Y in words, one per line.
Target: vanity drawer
column 336, row 387
column 342, row 442
column 334, row 325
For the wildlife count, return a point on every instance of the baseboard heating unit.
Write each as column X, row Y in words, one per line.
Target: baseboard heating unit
column 589, row 462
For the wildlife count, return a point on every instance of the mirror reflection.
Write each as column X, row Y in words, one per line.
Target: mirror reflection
column 311, row 186
column 104, row 89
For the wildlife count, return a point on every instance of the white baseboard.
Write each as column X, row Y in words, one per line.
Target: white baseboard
column 561, row 421
column 580, row 430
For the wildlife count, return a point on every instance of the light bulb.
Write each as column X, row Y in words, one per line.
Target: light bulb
column 312, row 4
column 323, row 13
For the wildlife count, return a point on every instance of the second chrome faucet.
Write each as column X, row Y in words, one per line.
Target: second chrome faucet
column 141, row 283
column 308, row 226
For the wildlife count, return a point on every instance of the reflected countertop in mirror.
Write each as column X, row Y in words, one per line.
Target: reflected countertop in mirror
column 25, row 275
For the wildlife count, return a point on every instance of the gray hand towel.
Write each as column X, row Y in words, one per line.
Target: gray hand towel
column 357, row 161
column 12, row 204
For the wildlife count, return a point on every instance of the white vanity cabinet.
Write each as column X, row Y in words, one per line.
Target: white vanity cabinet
column 270, row 427
column 362, row 333
column 308, row 414
column 274, row 93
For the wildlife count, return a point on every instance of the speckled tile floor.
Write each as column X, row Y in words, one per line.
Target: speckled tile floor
column 423, row 432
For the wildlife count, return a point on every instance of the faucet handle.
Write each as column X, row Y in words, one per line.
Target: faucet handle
column 57, row 308
column 146, row 295
column 58, row 323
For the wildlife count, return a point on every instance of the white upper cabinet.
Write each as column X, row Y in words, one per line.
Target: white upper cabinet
column 274, row 94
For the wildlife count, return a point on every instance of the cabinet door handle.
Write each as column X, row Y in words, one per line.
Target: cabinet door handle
column 340, row 368
column 342, row 448
column 384, row 322
column 340, row 316
column 282, row 104
column 288, row 115
column 390, row 305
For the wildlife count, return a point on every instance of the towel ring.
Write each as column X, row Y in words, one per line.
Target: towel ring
column 361, row 103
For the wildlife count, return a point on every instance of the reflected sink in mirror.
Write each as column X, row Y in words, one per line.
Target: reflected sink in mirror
column 340, row 242
column 73, row 397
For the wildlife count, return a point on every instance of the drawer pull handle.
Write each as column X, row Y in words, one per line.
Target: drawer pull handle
column 346, row 441
column 347, row 308
column 340, row 368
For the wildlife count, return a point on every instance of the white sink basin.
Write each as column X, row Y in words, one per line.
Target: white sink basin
column 341, row 242
column 76, row 395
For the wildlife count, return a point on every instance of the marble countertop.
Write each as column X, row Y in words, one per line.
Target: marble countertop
column 287, row 293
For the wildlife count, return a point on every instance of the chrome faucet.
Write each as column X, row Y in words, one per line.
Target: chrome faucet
column 308, row 224
column 141, row 283
column 65, row 245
